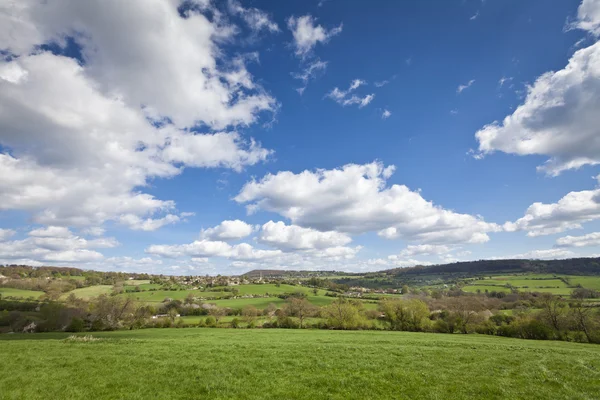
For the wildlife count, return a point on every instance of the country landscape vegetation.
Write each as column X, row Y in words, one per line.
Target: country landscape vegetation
column 326, row 328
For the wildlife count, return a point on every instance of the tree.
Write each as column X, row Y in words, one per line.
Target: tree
column 405, row 315
column 299, row 308
column 189, row 299
column 342, row 314
column 463, row 311
column 217, row 313
column 249, row 313
column 583, row 318
column 553, row 310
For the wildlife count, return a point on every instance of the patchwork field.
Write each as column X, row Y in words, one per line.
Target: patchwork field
column 294, row 364
column 20, row 293
column 89, row 292
column 544, row 283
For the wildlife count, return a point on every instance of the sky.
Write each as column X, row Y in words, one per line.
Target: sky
column 195, row 137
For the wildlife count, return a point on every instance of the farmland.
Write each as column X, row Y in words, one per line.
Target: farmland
column 19, row 293
column 90, row 291
column 294, row 364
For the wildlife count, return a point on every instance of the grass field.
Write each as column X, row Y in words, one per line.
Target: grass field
column 588, row 282
column 294, row 364
column 19, row 293
column 89, row 292
column 544, row 283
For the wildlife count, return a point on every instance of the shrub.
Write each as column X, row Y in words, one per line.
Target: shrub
column 210, row 321
column 76, row 325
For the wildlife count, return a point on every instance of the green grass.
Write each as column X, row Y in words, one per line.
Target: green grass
column 89, row 292
column 588, row 282
column 136, row 282
column 294, row 364
column 260, row 303
column 473, row 288
column 158, row 296
column 20, row 293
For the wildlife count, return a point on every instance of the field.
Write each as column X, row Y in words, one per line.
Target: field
column 89, row 292
column 294, row 364
column 544, row 283
column 19, row 293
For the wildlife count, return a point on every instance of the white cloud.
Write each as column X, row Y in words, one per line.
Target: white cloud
column 461, row 88
column 356, row 199
column 341, row 96
column 6, row 234
column 51, row 231
column 307, row 34
column 256, row 19
column 559, row 117
column 381, row 83
column 148, row 224
column 147, row 76
column 292, row 237
column 208, row 248
column 228, row 230
column 474, row 16
column 503, row 80
column 309, row 72
column 386, row 114
column 591, row 239
column 541, row 255
column 570, row 212
column 424, row 250
column 588, row 17
column 54, row 244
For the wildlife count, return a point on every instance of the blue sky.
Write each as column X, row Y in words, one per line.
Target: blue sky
column 205, row 137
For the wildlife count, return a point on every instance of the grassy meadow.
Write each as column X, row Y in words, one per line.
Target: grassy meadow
column 20, row 293
column 294, row 364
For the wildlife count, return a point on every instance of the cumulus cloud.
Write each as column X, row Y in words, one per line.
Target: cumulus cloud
column 54, row 244
column 558, row 119
column 307, row 34
column 424, row 250
column 386, row 114
column 356, row 199
column 146, row 76
column 292, row 237
column 6, row 234
column 570, row 212
column 209, row 248
column 591, row 239
column 588, row 17
column 548, row 254
column 228, row 230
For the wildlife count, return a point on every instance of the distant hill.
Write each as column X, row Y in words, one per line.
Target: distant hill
column 575, row 266
column 277, row 273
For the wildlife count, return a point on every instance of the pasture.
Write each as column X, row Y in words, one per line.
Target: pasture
column 293, row 364
column 20, row 293
column 89, row 292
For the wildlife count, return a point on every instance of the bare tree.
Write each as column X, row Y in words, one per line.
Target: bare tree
column 299, row 308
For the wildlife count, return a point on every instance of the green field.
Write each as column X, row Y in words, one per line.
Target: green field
column 544, row 283
column 19, row 293
column 294, row 364
column 588, row 282
column 89, row 292
column 474, row 287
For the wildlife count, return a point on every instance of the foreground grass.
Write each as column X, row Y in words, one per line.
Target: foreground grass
column 294, row 364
